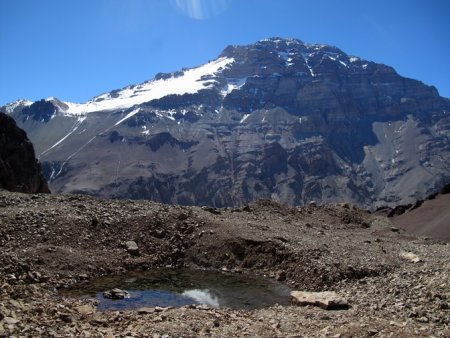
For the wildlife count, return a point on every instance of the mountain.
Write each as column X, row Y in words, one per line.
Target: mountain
column 19, row 169
column 277, row 119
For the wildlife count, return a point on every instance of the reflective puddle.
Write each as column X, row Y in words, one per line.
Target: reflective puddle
column 165, row 287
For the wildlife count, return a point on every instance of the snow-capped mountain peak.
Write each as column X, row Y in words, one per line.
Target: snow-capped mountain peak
column 191, row 81
column 9, row 108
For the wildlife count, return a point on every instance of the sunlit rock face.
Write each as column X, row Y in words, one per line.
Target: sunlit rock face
column 277, row 119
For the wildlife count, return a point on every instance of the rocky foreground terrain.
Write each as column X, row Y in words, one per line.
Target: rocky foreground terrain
column 396, row 285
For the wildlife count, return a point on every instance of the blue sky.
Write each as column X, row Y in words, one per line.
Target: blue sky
column 75, row 50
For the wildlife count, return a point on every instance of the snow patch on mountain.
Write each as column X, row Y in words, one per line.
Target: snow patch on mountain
column 287, row 57
column 133, row 112
column 9, row 108
column 190, row 82
column 233, row 84
column 75, row 126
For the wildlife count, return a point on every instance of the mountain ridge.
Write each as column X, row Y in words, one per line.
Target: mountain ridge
column 276, row 119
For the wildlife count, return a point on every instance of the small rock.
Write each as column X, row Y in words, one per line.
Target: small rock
column 83, row 276
column 159, row 233
column 413, row 258
column 183, row 216
column 423, row 320
column 280, row 276
column 66, row 318
column 10, row 320
column 85, row 309
column 394, row 229
column 276, row 325
column 365, row 224
column 132, row 248
column 116, row 294
column 94, row 222
column 145, row 310
column 312, row 204
column 372, row 332
column 212, row 210
column 327, row 300
column 247, row 208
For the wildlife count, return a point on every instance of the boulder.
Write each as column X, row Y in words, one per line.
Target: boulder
column 85, row 309
column 132, row 248
column 280, row 276
column 328, row 300
column 409, row 256
column 116, row 294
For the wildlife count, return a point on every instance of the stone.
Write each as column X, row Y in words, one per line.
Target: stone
column 132, row 248
column 66, row 318
column 116, row 294
column 10, row 320
column 280, row 276
column 85, row 309
column 372, row 332
column 328, row 300
column 145, row 310
column 409, row 256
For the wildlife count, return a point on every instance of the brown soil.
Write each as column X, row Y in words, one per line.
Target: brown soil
column 49, row 242
column 431, row 219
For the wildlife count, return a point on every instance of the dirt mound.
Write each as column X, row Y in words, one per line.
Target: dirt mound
column 49, row 242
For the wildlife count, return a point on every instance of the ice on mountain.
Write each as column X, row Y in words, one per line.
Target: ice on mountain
column 244, row 118
column 233, row 84
column 287, row 56
column 133, row 112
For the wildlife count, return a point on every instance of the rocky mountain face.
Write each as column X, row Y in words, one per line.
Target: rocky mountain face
column 277, row 119
column 19, row 169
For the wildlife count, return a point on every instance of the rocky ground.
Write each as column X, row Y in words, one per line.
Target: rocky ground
column 397, row 285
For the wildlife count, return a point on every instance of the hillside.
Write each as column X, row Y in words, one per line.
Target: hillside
column 431, row 218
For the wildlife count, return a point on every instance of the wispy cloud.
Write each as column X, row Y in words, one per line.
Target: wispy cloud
column 201, row 9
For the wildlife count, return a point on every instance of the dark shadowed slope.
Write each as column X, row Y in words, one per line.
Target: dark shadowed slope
column 19, row 169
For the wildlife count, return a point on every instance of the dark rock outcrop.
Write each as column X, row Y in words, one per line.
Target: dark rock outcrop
column 19, row 169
